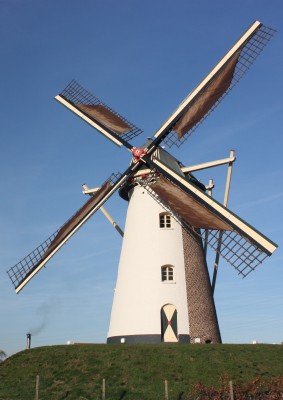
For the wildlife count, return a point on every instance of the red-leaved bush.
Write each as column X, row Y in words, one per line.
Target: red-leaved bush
column 258, row 389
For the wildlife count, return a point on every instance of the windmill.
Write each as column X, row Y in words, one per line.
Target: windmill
column 167, row 296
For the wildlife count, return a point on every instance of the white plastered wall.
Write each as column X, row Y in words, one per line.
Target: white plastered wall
column 140, row 293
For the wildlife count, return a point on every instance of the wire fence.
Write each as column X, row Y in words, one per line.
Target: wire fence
column 258, row 389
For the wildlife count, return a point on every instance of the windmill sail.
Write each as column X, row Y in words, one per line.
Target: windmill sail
column 79, row 216
column 23, row 271
column 215, row 86
column 187, row 207
column 207, row 98
column 92, row 110
column 105, row 117
column 242, row 245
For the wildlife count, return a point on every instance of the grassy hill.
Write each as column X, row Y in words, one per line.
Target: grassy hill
column 132, row 371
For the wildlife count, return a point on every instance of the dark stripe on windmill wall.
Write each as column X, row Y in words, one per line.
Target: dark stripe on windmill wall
column 201, row 308
column 174, row 323
column 144, row 339
column 164, row 321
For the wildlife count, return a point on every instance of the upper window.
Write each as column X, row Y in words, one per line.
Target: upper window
column 165, row 221
column 167, row 273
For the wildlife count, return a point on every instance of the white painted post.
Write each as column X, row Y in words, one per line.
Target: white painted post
column 37, row 387
column 103, row 389
column 166, row 389
column 231, row 390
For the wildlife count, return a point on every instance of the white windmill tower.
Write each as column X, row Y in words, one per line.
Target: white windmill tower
column 166, row 296
column 150, row 301
column 148, row 288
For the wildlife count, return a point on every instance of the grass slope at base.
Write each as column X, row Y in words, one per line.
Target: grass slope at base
column 132, row 371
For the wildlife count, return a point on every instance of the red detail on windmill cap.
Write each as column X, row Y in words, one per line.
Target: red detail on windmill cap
column 137, row 152
column 168, row 322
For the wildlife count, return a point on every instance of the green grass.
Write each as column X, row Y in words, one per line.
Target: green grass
column 132, row 371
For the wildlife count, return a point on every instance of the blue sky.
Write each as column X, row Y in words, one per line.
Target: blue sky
column 142, row 58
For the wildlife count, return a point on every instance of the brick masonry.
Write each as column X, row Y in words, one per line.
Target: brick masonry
column 201, row 308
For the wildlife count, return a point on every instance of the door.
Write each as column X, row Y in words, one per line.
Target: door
column 169, row 332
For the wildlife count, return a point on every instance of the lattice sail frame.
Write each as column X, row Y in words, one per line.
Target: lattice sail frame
column 75, row 93
column 236, row 249
column 248, row 55
column 19, row 272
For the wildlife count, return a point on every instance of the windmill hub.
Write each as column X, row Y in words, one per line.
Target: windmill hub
column 138, row 153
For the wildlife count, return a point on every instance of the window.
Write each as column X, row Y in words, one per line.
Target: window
column 167, row 273
column 164, row 220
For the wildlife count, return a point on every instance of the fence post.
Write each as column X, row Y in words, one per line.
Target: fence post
column 166, row 389
column 37, row 387
column 231, row 390
column 103, row 389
